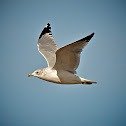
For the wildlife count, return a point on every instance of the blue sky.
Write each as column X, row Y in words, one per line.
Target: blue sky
column 34, row 102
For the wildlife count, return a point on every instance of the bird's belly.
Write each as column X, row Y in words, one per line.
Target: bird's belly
column 52, row 77
column 62, row 77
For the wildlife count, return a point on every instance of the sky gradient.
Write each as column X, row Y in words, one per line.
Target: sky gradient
column 34, row 102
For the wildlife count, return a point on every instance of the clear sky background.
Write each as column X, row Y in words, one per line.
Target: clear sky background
column 33, row 102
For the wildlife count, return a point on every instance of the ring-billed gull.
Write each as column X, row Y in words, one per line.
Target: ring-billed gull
column 62, row 62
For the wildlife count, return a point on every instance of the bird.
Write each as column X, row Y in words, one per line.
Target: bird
column 62, row 62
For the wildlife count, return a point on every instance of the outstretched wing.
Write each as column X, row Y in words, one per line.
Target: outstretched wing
column 68, row 57
column 47, row 45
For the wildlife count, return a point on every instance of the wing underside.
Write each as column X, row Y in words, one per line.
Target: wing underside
column 68, row 57
column 47, row 45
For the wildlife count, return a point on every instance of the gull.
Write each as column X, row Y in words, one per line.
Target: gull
column 62, row 62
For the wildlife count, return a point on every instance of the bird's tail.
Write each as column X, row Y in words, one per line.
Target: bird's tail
column 85, row 81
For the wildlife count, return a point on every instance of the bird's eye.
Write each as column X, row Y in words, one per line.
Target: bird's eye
column 37, row 72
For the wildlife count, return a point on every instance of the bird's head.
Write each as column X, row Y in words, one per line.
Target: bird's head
column 37, row 73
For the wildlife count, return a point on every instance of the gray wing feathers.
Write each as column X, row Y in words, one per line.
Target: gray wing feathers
column 47, row 46
column 68, row 57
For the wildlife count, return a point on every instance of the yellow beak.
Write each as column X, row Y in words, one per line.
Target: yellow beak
column 29, row 75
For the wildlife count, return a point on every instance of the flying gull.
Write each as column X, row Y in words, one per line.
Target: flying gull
column 62, row 62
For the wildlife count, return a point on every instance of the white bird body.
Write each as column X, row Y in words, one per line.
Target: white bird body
column 60, row 76
column 62, row 62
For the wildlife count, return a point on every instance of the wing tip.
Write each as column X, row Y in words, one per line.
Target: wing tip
column 92, row 34
column 48, row 24
column 89, row 37
column 47, row 29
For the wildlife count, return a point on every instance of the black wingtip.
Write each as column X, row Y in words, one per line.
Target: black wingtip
column 48, row 24
column 47, row 29
column 92, row 35
column 87, row 38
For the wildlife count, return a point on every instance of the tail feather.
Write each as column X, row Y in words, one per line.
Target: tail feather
column 88, row 82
